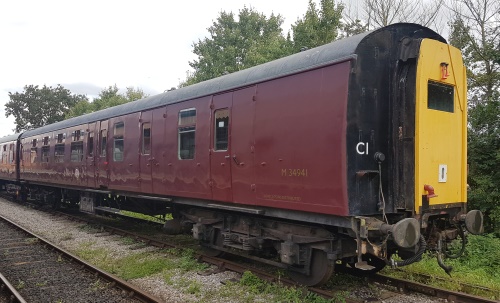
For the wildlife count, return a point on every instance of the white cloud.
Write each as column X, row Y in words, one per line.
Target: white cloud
column 89, row 45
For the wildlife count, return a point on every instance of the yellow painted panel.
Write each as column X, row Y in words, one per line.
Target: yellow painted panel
column 441, row 137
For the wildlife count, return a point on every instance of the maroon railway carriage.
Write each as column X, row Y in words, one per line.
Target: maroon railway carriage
column 265, row 161
column 8, row 157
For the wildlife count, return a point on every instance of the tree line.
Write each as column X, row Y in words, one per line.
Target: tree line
column 248, row 38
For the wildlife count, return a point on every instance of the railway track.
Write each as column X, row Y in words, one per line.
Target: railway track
column 43, row 272
column 8, row 293
column 401, row 285
column 451, row 296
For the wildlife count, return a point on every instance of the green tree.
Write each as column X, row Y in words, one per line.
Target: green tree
column 36, row 107
column 373, row 14
column 237, row 43
column 108, row 97
column 318, row 26
column 476, row 32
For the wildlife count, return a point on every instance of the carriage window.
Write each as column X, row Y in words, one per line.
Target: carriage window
column 59, row 153
column 104, row 141
column 33, row 154
column 33, row 143
column 118, row 142
column 90, row 144
column 221, row 129
column 11, row 153
column 76, row 152
column 45, row 140
column 45, row 154
column 77, row 135
column 187, row 129
column 60, row 138
column 4, row 154
column 440, row 96
column 146, row 138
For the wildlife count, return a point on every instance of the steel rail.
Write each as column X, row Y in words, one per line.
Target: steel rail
column 223, row 264
column 14, row 295
column 131, row 290
column 449, row 295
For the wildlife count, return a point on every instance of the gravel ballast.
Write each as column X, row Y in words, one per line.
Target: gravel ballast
column 172, row 285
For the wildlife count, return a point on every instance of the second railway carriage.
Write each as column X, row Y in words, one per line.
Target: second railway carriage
column 8, row 160
column 348, row 152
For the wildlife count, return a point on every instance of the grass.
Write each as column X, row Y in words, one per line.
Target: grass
column 479, row 266
column 141, row 264
column 158, row 218
column 254, row 287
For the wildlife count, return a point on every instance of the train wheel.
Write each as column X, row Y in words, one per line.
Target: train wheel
column 217, row 240
column 321, row 270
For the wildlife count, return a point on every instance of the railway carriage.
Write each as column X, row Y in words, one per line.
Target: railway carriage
column 8, row 159
column 343, row 154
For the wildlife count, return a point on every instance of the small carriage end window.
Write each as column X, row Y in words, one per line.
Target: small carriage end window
column 146, row 138
column 221, row 129
column 33, row 142
column 118, row 142
column 440, row 96
column 45, row 141
column 186, row 131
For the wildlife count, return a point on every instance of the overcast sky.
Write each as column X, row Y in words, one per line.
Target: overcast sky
column 89, row 45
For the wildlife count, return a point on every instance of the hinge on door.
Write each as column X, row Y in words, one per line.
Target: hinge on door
column 254, row 98
column 211, row 183
column 212, row 106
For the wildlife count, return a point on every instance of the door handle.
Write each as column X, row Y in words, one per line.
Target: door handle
column 227, row 157
column 236, row 160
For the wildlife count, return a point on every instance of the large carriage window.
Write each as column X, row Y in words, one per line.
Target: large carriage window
column 11, row 153
column 118, row 142
column 90, row 144
column 59, row 153
column 104, row 142
column 45, row 154
column 33, row 154
column 440, row 96
column 4, row 153
column 221, row 129
column 187, row 129
column 76, row 152
column 146, row 138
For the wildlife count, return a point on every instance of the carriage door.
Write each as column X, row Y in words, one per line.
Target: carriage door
column 147, row 159
column 441, row 145
column 220, row 158
column 91, row 155
column 102, row 154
